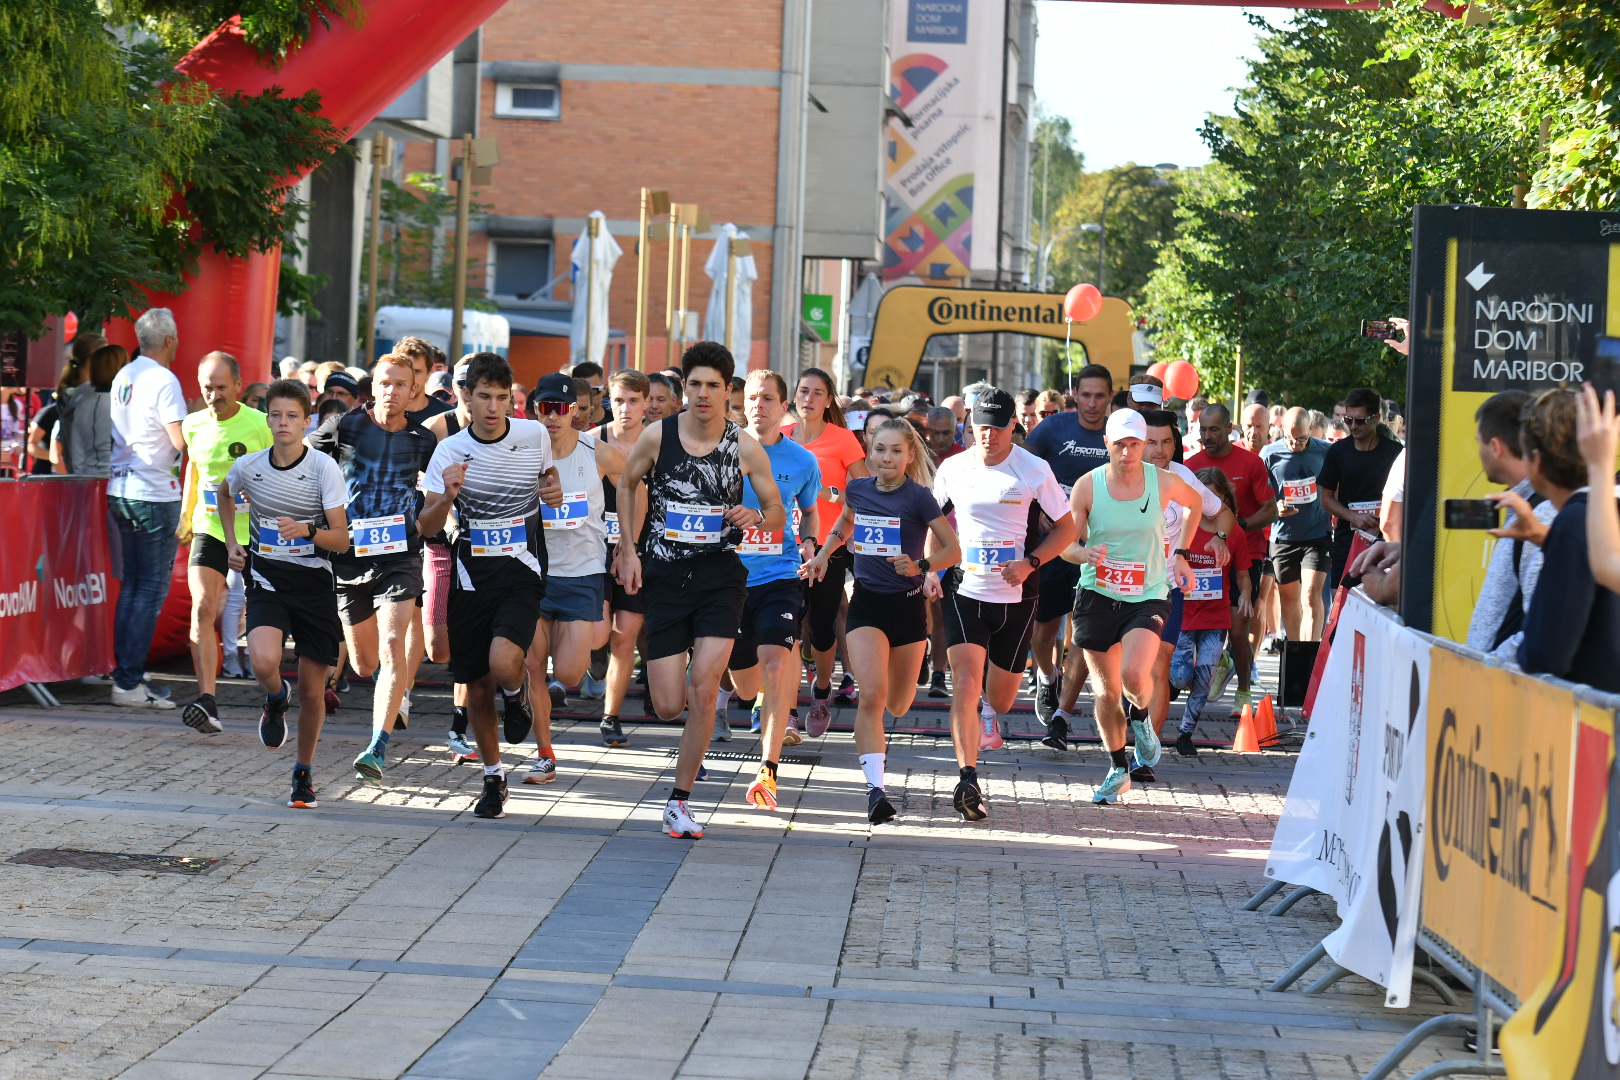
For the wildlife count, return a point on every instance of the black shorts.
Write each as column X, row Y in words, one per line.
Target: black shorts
column 903, row 617
column 311, row 617
column 1002, row 630
column 823, row 598
column 209, row 552
column 700, row 597
column 1059, row 579
column 1292, row 557
column 477, row 617
column 362, row 585
column 1101, row 622
column 770, row 617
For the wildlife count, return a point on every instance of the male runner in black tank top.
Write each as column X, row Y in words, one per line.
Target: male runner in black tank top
column 695, row 513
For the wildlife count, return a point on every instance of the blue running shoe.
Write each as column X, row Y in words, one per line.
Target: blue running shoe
column 368, row 767
column 1148, row 747
column 703, row 772
column 753, row 717
column 1115, row 784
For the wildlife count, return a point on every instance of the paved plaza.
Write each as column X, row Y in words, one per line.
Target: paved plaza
column 390, row 933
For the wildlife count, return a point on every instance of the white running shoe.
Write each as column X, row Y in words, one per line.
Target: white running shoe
column 990, row 735
column 722, row 726
column 678, row 822
column 594, row 689
column 141, row 697
column 542, row 770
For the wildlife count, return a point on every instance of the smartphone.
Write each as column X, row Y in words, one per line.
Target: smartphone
column 1378, row 329
column 1473, row 514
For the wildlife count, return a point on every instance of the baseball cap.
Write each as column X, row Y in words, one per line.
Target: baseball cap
column 1146, row 391
column 994, row 407
column 439, row 380
column 342, row 380
column 554, row 387
column 1125, row 424
column 1258, row 397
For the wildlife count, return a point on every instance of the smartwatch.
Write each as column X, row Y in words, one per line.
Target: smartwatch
column 922, row 566
column 312, row 530
column 1034, row 561
column 1222, row 536
column 1184, row 553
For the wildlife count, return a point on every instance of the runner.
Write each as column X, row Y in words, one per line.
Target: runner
column 576, row 551
column 628, row 394
column 1353, row 474
column 1207, row 614
column 495, row 473
column 886, row 521
column 695, row 463
column 295, row 513
column 216, row 437
column 379, row 579
column 423, row 357
column 1012, row 516
column 1124, row 590
column 769, row 631
column 663, row 399
column 1301, row 544
column 1072, row 444
column 822, row 431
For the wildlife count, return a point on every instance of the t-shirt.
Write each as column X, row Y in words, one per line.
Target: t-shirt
column 1215, row 590
column 303, row 491
column 1296, row 478
column 1250, row 483
column 836, row 449
column 774, row 556
column 996, row 516
column 1357, row 477
column 888, row 523
column 500, row 542
column 433, row 408
column 146, row 398
column 1069, row 447
column 381, row 468
column 1176, row 515
column 214, row 447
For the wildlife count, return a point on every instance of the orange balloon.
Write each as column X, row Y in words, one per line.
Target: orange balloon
column 1156, row 369
column 1180, row 380
column 1082, row 303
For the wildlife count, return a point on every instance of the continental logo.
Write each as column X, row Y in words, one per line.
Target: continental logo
column 942, row 310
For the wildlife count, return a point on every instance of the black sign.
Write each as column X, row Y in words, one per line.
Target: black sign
column 1528, row 312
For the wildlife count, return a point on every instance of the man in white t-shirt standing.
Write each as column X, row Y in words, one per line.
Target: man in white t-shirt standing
column 144, row 496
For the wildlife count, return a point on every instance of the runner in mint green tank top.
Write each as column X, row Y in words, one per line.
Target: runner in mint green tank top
column 1133, row 534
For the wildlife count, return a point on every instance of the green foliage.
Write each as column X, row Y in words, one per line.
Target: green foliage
column 415, row 253
column 272, row 27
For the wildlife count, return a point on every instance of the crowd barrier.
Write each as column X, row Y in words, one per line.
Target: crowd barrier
column 1450, row 803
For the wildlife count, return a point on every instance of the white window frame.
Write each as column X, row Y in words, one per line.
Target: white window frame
column 505, row 109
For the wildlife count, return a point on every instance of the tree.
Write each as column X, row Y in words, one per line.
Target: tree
column 412, row 263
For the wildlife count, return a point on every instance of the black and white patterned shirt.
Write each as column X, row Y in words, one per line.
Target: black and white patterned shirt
column 687, row 495
column 303, row 491
column 498, row 509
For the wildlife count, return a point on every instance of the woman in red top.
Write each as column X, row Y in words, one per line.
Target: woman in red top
column 821, row 430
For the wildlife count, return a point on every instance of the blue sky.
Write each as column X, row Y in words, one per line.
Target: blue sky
column 1137, row 79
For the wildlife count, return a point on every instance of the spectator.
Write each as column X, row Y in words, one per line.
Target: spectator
column 1391, row 514
column 90, row 440
column 1572, row 630
column 44, row 457
column 75, row 375
column 1353, row 475
column 1599, row 435
column 144, row 496
column 1379, row 568
column 253, row 395
column 520, row 401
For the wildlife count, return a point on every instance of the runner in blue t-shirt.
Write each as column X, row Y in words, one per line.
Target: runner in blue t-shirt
column 769, row 631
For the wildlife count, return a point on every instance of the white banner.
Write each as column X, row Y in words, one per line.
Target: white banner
column 1353, row 823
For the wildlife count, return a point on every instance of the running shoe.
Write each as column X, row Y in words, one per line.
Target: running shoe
column 762, row 792
column 969, row 800
column 203, row 716
column 703, row 772
column 343, row 684
column 273, row 721
column 923, row 671
column 844, row 696
column 1240, row 698
column 402, row 719
column 542, row 770
column 141, row 696
column 1046, row 700
column 592, row 688
column 936, row 686
column 792, row 736
column 559, row 694
column 303, row 791
column 754, row 722
column 879, row 810
column 368, row 767
column 679, row 822
column 612, row 733
column 1223, row 675
column 990, row 728
column 492, row 803
column 1115, row 784
column 333, row 704
column 231, row 666
column 1143, row 774
column 461, row 750
column 1057, row 734
column 722, row 726
column 1148, row 748
column 1184, row 745
column 517, row 713
column 819, row 720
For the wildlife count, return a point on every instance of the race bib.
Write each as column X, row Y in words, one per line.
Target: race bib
column 571, row 514
column 989, row 556
column 689, row 524
column 1367, row 508
column 1302, row 491
column 875, row 535
column 498, row 536
column 272, row 543
column 610, row 518
column 760, row 542
column 1123, row 578
column 211, row 502
column 1208, row 584
column 379, row 536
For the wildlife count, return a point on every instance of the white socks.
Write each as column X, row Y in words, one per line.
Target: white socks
column 722, row 701
column 872, row 767
column 493, row 770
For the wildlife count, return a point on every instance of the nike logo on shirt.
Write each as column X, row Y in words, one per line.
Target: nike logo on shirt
column 1145, row 505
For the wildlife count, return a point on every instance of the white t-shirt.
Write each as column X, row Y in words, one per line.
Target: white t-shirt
column 1175, row 515
column 1395, row 483
column 145, row 397
column 992, row 504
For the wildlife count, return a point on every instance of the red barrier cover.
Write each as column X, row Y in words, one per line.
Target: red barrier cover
column 56, row 594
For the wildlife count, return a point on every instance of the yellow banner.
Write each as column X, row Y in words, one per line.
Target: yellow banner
column 1496, row 853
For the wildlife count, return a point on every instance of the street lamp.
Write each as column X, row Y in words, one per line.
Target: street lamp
column 1158, row 181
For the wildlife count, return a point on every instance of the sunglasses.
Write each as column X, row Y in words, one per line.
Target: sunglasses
column 1048, row 413
column 1356, row 421
column 552, row 408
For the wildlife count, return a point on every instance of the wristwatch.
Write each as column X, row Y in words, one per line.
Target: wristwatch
column 1183, row 552
column 922, row 566
column 761, row 514
column 1222, row 536
column 1034, row 561
column 312, row 530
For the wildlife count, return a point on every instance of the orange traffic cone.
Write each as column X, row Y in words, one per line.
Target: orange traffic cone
column 1246, row 742
column 1265, row 723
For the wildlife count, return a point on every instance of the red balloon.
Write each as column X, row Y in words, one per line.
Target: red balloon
column 70, row 330
column 1156, row 369
column 1082, row 303
column 1181, row 380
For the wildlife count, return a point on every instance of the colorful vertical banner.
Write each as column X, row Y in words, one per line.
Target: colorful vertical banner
column 946, row 76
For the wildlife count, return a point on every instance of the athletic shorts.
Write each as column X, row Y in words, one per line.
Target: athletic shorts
column 698, row 597
column 1293, row 557
column 1059, row 579
column 477, row 617
column 770, row 617
column 903, row 617
column 1101, row 622
column 618, row 599
column 209, row 552
column 391, row 578
column 310, row 617
column 436, row 584
column 1002, row 630
column 574, row 599
column 1172, row 625
column 822, row 599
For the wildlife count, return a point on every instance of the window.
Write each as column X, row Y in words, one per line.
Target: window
column 522, row 269
column 535, row 101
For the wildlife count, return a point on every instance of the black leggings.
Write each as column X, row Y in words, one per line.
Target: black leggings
column 823, row 597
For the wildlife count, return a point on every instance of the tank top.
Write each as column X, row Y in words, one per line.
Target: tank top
column 576, row 536
column 687, row 496
column 1133, row 532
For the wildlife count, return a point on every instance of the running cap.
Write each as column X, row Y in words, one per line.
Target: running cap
column 554, row 387
column 1146, row 391
column 342, row 380
column 461, row 370
column 1125, row 424
column 994, row 407
column 439, row 380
